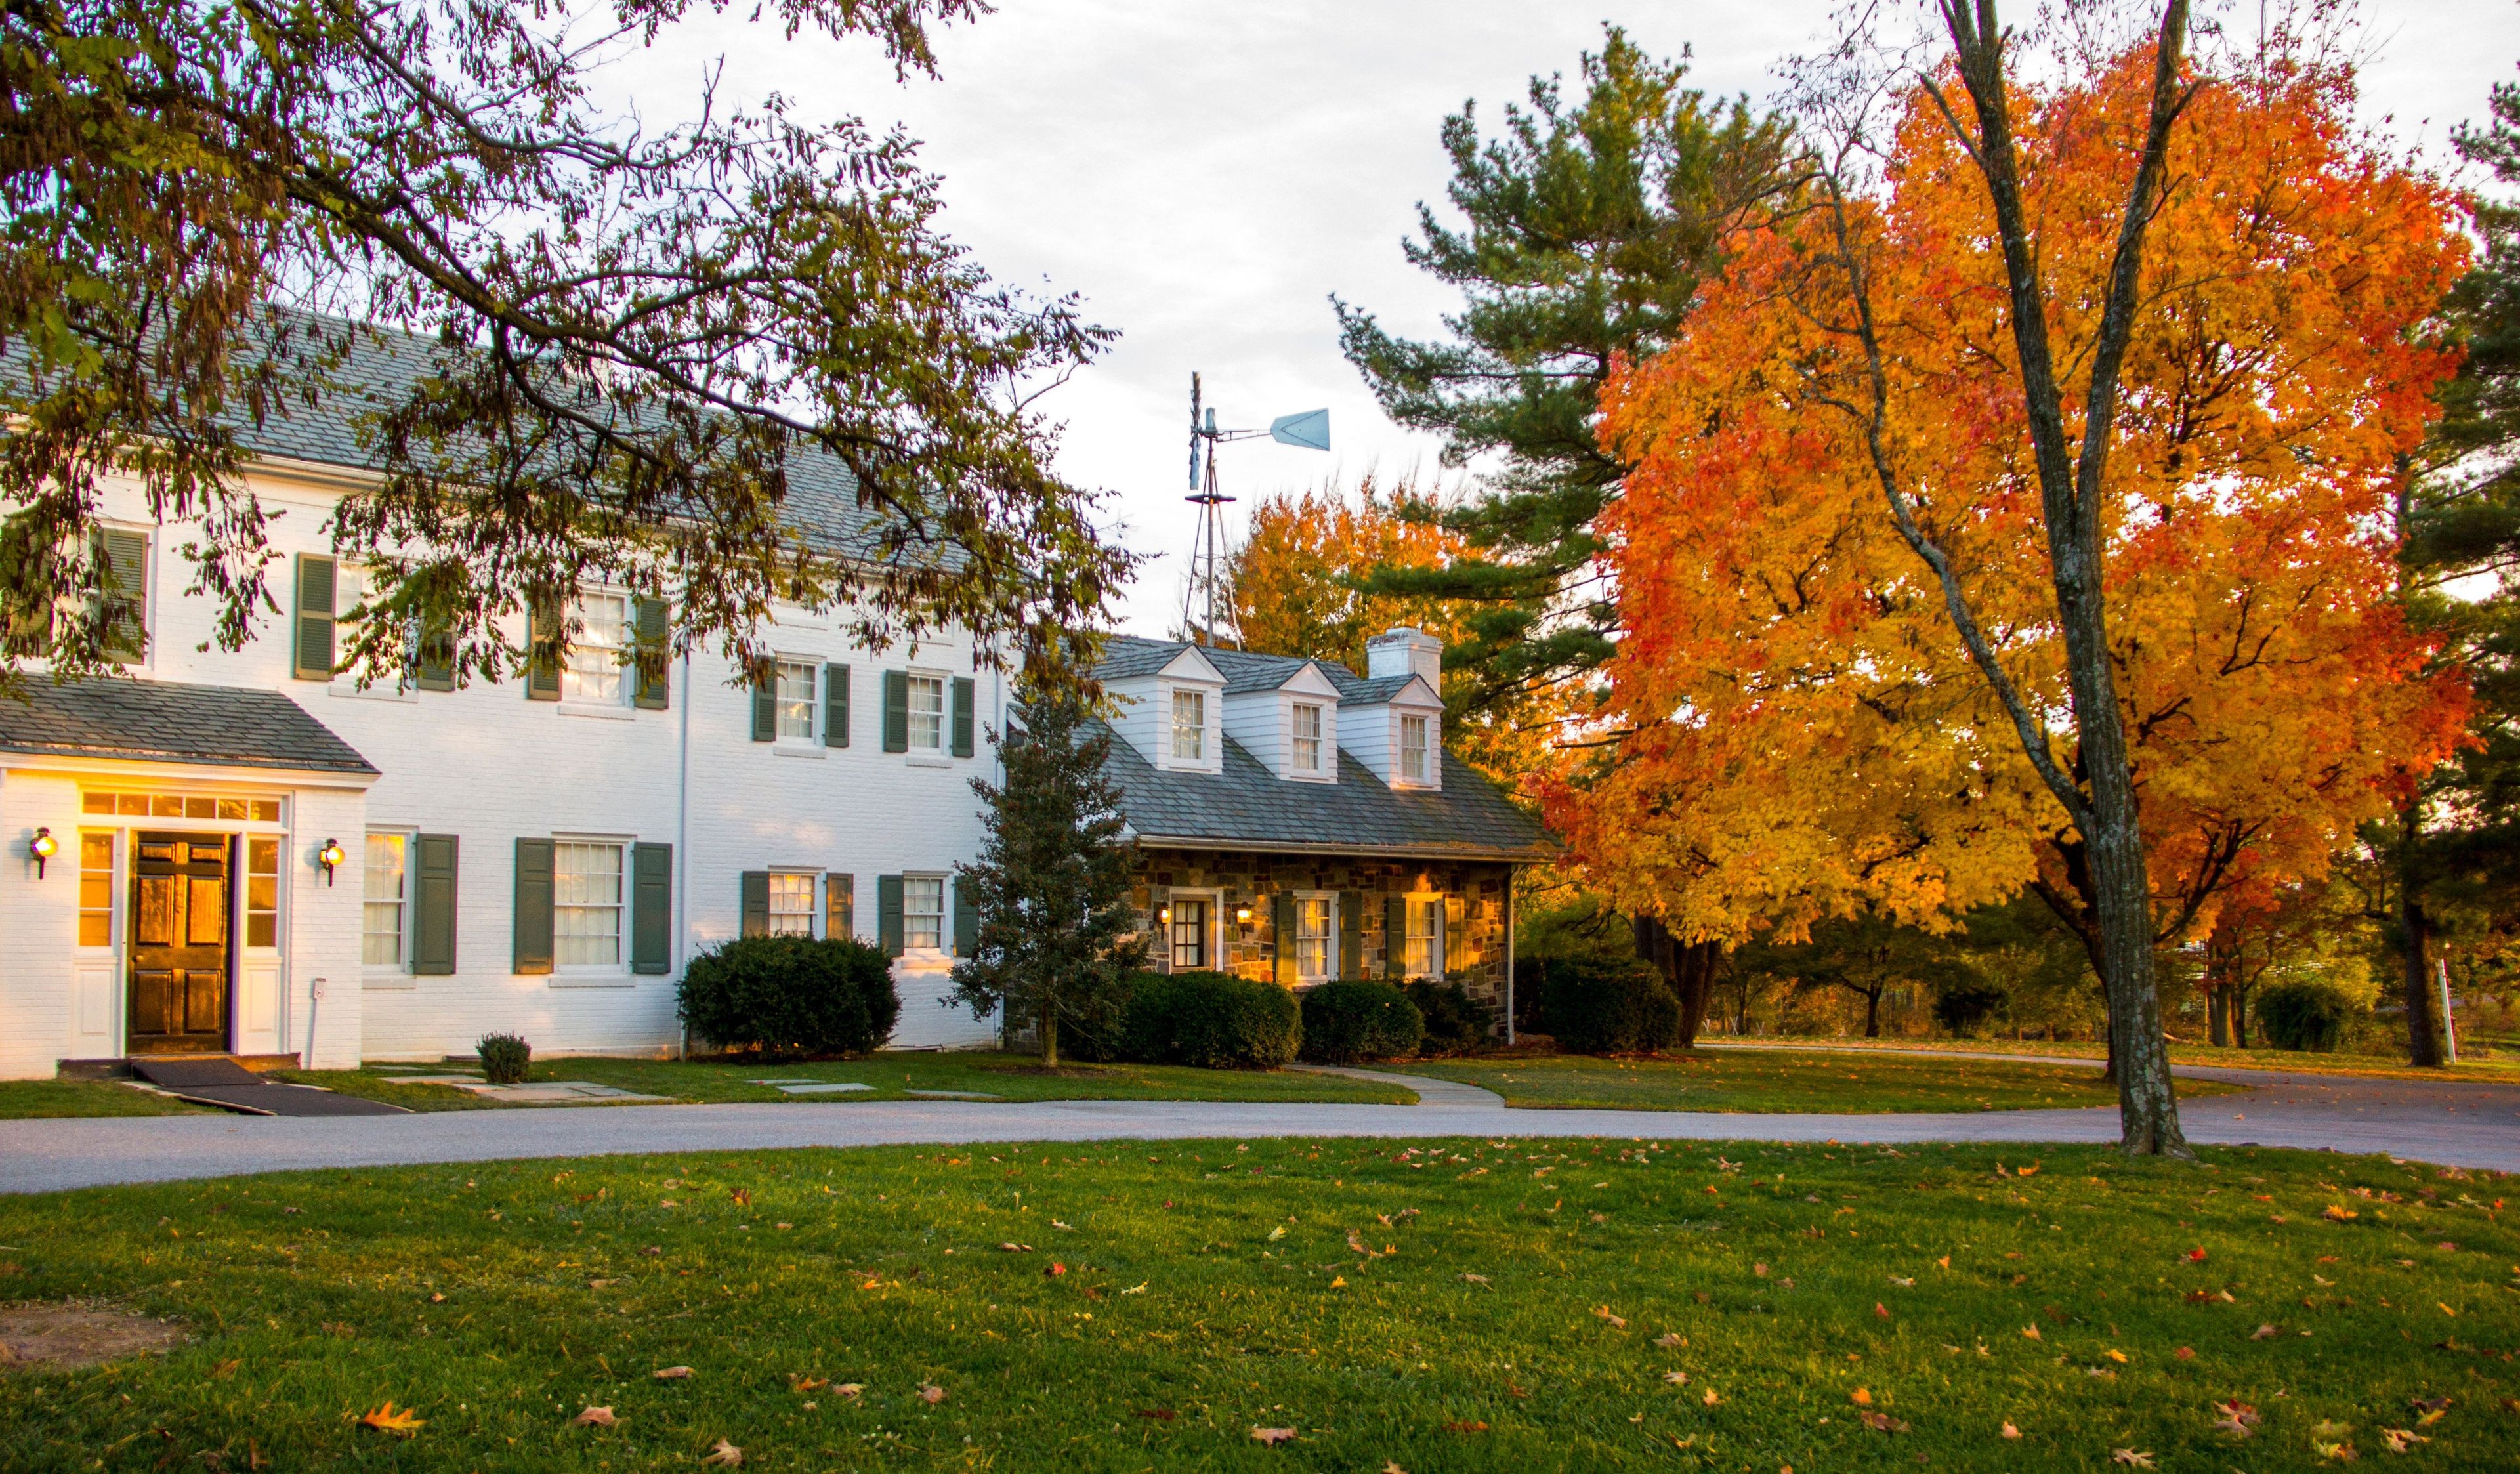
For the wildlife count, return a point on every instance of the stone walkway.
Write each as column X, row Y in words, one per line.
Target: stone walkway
column 2460, row 1125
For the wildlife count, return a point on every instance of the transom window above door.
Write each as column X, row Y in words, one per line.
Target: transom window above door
column 180, row 805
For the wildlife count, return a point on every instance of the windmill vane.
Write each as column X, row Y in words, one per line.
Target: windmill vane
column 1205, row 593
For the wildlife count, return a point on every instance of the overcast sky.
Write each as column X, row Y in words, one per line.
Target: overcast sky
column 1205, row 174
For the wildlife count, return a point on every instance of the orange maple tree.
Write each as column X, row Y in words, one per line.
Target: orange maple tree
column 1802, row 732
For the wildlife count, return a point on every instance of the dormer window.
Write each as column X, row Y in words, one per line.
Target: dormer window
column 1308, row 738
column 1412, row 749
column 1190, row 727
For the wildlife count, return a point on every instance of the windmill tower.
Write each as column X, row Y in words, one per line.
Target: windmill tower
column 1207, row 600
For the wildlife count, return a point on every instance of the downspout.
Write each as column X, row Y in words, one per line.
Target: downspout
column 683, row 845
column 1508, row 956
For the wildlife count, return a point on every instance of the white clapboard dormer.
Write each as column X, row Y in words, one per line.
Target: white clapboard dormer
column 1287, row 716
column 1393, row 719
column 1174, row 713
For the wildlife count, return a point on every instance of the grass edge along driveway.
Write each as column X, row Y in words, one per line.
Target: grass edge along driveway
column 1735, row 1081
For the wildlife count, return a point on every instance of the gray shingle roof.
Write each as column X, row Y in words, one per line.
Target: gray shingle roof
column 167, row 722
column 1126, row 655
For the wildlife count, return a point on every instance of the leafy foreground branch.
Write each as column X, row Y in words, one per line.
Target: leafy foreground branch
column 1435, row 1305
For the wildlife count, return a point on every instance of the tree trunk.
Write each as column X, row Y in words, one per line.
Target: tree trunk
column 2217, row 1002
column 1688, row 968
column 1872, row 1014
column 2423, row 1030
column 1050, row 1036
column 2240, row 1014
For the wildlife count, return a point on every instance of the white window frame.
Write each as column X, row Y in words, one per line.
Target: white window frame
column 943, row 914
column 403, row 903
column 1327, row 941
column 1194, row 731
column 812, row 736
column 1424, row 752
column 812, row 880
column 582, row 663
column 349, row 587
column 147, row 659
column 1212, row 942
column 1297, row 738
column 918, row 681
column 620, row 909
column 1428, row 910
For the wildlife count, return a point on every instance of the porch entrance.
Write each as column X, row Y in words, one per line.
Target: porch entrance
column 181, row 929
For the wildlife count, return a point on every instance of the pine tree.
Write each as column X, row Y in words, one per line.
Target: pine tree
column 1058, row 935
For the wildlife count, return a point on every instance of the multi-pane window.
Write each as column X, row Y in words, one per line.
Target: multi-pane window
column 922, row 913
column 1190, row 726
column 1308, row 738
column 927, row 713
column 381, row 928
column 1412, row 749
column 1426, row 953
column 586, row 903
column 1314, row 944
column 595, row 671
column 1189, row 934
column 797, row 700
column 792, row 905
column 180, row 805
column 96, row 888
column 262, row 890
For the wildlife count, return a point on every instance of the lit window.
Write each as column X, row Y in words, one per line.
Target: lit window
column 1308, row 738
column 792, row 905
column 262, row 890
column 1190, row 726
column 1312, row 956
column 797, row 699
column 380, row 926
column 180, row 805
column 927, row 713
column 594, row 670
column 1189, row 934
column 96, row 888
column 1425, row 955
column 1412, row 749
column 922, row 913
column 586, row 909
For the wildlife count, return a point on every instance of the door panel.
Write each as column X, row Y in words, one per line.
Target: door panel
column 180, row 926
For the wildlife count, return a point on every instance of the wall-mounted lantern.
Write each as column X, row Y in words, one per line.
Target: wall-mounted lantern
column 1242, row 915
column 330, row 857
column 41, row 848
column 1165, row 915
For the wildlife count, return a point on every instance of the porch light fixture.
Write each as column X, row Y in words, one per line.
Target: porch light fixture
column 41, row 848
column 329, row 857
column 1242, row 915
column 1165, row 915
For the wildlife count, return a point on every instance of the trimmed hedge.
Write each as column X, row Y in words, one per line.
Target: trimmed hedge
column 1349, row 1022
column 1963, row 1006
column 1212, row 1020
column 2304, row 1017
column 504, row 1057
column 1456, row 1023
column 789, row 997
column 1609, row 1006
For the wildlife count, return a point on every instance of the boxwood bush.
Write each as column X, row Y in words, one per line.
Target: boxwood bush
column 504, row 1057
column 789, row 997
column 2304, row 1017
column 1609, row 1006
column 1212, row 1020
column 1348, row 1021
column 1456, row 1023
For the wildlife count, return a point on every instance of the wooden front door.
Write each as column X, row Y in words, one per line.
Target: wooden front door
column 179, row 944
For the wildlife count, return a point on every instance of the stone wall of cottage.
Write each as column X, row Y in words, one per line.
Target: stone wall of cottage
column 1242, row 882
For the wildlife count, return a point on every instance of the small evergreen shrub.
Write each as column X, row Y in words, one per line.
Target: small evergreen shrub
column 2304, row 1017
column 1212, row 1020
column 1609, row 1006
column 791, row 996
column 1349, row 1022
column 1456, row 1023
column 504, row 1057
column 1963, row 1006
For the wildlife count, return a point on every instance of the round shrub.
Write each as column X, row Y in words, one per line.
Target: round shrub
column 788, row 996
column 1456, row 1023
column 1609, row 1006
column 504, row 1057
column 2304, row 1017
column 1345, row 1022
column 1962, row 1006
column 1212, row 1020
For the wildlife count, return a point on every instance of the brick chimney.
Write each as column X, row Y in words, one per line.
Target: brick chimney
column 1403, row 652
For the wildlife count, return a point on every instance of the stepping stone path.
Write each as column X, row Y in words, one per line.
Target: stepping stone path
column 813, row 1087
column 538, row 1091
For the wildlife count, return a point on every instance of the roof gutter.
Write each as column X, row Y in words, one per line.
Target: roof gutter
column 1377, row 851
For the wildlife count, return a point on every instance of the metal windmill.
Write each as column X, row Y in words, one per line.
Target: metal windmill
column 1205, row 593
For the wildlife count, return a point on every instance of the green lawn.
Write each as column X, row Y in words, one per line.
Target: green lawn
column 1011, row 1077
column 2503, row 1066
column 39, row 1100
column 1776, row 1080
column 1435, row 1306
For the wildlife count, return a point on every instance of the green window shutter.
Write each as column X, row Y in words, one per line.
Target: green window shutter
column 436, row 656
column 533, row 923
column 887, row 914
column 840, row 907
column 897, row 712
column 1395, row 936
column 756, row 904
column 963, row 694
column 542, row 658
column 1282, row 922
column 1350, row 961
column 312, row 655
column 432, row 905
column 125, row 583
column 649, row 663
column 836, row 705
column 765, row 703
column 651, row 908
column 966, row 919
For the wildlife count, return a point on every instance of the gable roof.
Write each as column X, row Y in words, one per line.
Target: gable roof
column 171, row 722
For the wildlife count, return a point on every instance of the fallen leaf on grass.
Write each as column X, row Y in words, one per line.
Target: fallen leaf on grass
column 1338, row 1282
column 1711, row 1399
column 808, row 1384
column 743, row 1200
column 1670, row 1339
column 2402, row 1440
column 1881, row 1310
column 1465, row 1427
column 2011, row 1431
column 2118, row 1356
column 930, row 1393
column 1014, row 1248
column 1476, row 1279
column 1860, row 1397
column 1676, row 1378
column 2031, row 1333
column 2130, row 1458
column 1882, row 1422
column 1054, row 1270
column 672, row 1373
column 2185, row 1353
column 725, row 1455
column 223, row 1371
column 594, row 1417
column 1602, row 1313
column 1159, row 1415
column 1276, row 1233
column 602, row 1284
column 387, row 1419
column 1272, row 1437
column 1389, row 1467
column 850, row 1389
column 2336, row 1213
column 1903, row 1282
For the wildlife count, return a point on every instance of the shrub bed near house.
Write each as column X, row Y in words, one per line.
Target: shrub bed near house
column 1456, row 1023
column 788, row 996
column 1609, row 1006
column 504, row 1057
column 1212, row 1020
column 1349, row 1022
column 2304, row 1017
